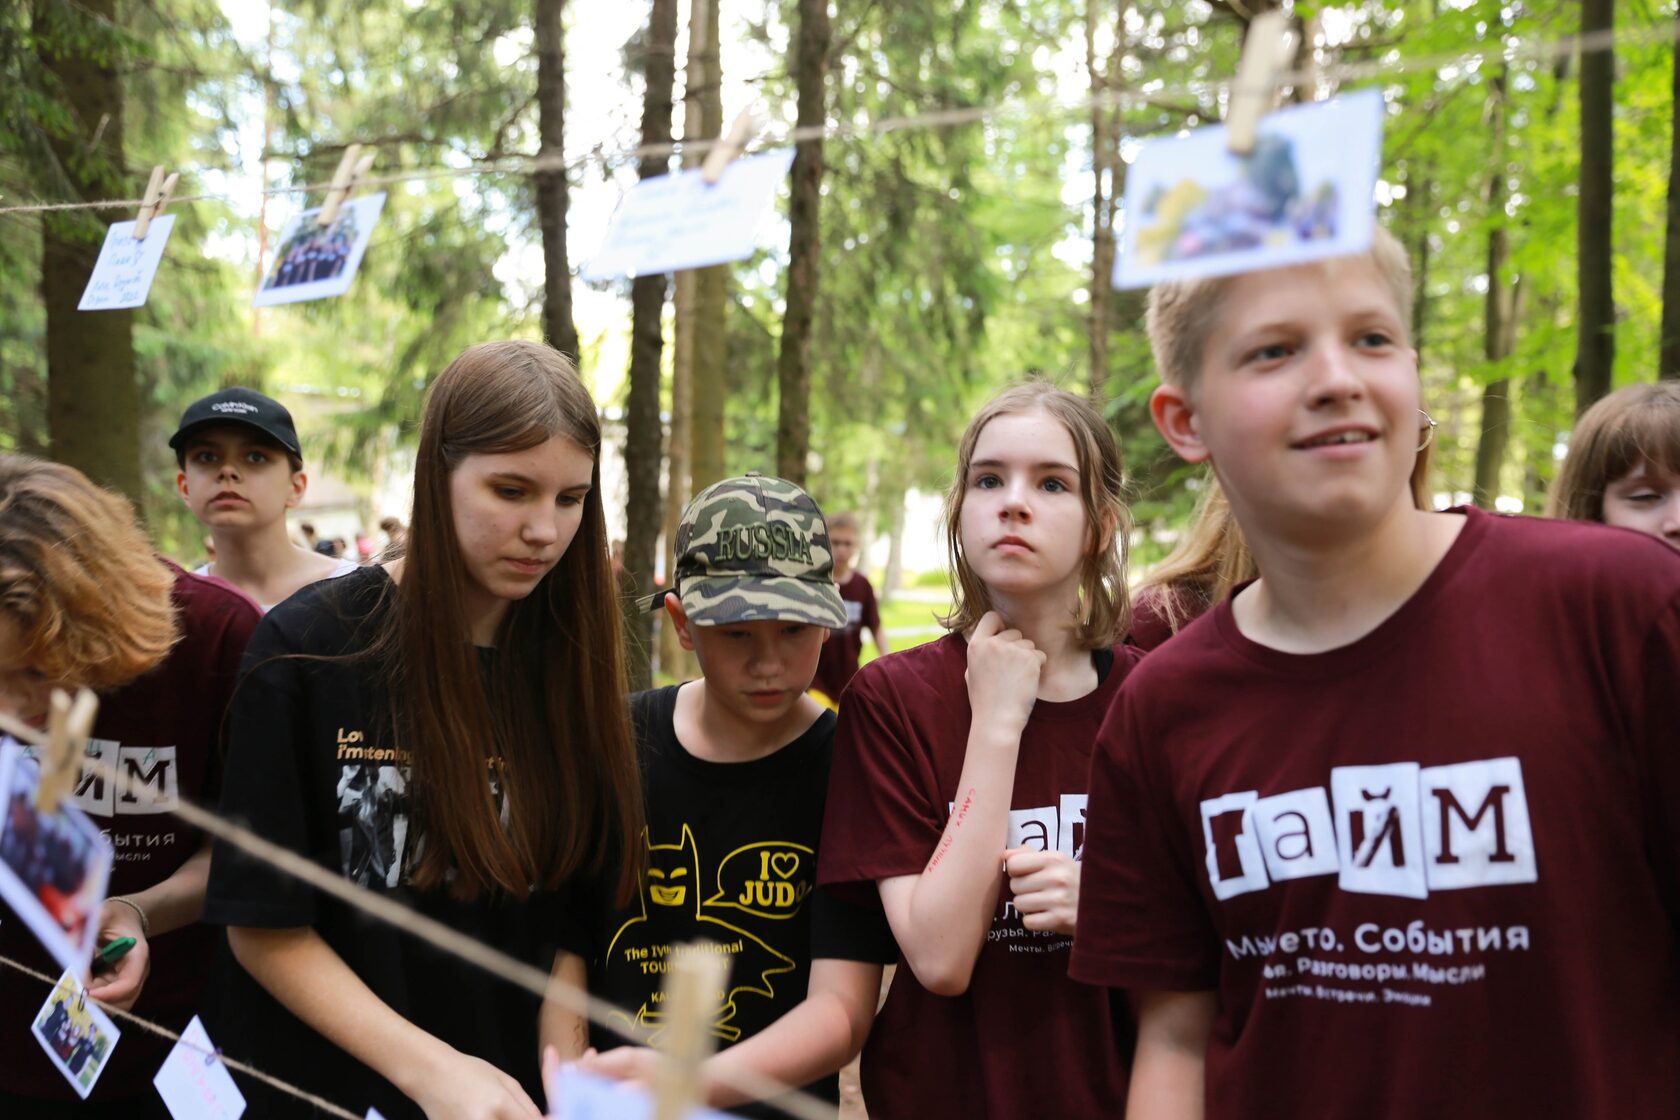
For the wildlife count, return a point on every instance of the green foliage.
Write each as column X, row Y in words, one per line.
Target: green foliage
column 955, row 259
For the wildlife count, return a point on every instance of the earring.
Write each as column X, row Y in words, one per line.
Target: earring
column 1428, row 429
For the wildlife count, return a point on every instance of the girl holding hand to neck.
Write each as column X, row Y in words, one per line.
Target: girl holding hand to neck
column 958, row 790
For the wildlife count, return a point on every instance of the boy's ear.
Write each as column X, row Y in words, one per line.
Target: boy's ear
column 679, row 619
column 300, row 483
column 181, row 484
column 1175, row 417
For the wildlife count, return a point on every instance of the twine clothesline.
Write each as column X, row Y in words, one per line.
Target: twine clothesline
column 1511, row 50
column 164, row 1032
column 577, row 1000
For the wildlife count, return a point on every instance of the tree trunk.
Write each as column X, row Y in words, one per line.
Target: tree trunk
column 1596, row 344
column 1543, row 393
column 869, row 514
column 552, row 190
column 93, row 394
column 893, row 575
column 1420, row 200
column 1107, row 172
column 643, row 435
column 710, row 386
column 1499, row 311
column 673, row 659
column 1668, row 364
column 793, row 367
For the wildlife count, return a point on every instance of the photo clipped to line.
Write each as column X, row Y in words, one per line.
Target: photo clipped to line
column 1306, row 192
column 53, row 866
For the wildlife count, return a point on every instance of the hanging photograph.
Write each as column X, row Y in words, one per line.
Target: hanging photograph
column 674, row 222
column 1305, row 193
column 76, row 1034
column 318, row 263
column 53, row 866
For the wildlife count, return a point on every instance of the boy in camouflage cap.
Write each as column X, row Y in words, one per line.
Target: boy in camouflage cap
column 735, row 770
column 756, row 548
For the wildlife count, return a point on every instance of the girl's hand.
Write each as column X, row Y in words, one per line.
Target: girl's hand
column 1002, row 675
column 1046, row 888
column 119, row 984
column 625, row 1063
column 462, row 1087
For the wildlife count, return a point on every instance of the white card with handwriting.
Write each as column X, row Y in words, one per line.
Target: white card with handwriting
column 122, row 277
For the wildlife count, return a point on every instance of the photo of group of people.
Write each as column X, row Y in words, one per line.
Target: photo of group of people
column 318, row 256
column 316, row 262
column 76, row 1034
column 53, row 866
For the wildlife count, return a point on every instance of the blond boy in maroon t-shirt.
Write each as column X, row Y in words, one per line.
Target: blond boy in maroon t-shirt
column 1391, row 831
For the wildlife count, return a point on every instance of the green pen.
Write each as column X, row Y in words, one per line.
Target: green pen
column 114, row 950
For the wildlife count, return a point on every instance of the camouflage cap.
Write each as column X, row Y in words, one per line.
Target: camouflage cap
column 756, row 548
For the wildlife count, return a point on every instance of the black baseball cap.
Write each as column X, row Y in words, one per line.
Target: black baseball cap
column 239, row 406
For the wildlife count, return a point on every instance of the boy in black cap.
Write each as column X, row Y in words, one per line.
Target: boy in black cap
column 241, row 469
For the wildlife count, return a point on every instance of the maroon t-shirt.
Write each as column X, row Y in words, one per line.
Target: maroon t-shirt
column 839, row 659
column 1023, row 1040
column 164, row 731
column 1150, row 624
column 1430, row 873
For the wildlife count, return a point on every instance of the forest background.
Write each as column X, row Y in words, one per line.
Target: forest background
column 914, row 269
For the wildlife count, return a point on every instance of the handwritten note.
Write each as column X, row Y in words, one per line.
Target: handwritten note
column 122, row 277
column 194, row 1083
column 673, row 222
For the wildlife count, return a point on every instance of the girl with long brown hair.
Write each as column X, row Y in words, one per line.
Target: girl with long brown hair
column 448, row 728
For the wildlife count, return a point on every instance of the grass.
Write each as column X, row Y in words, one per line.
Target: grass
column 908, row 622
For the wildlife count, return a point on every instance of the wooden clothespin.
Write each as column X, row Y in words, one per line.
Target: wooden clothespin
column 730, row 145
column 351, row 170
column 697, row 975
column 1264, row 59
column 68, row 727
column 156, row 198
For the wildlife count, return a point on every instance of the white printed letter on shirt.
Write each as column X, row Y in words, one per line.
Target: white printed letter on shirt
column 149, row 780
column 1070, row 840
column 1476, row 825
column 1033, row 828
column 1379, row 829
column 1234, row 863
column 1297, row 834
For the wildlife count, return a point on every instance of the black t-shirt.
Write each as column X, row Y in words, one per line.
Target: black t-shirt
column 312, row 767
column 730, row 858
